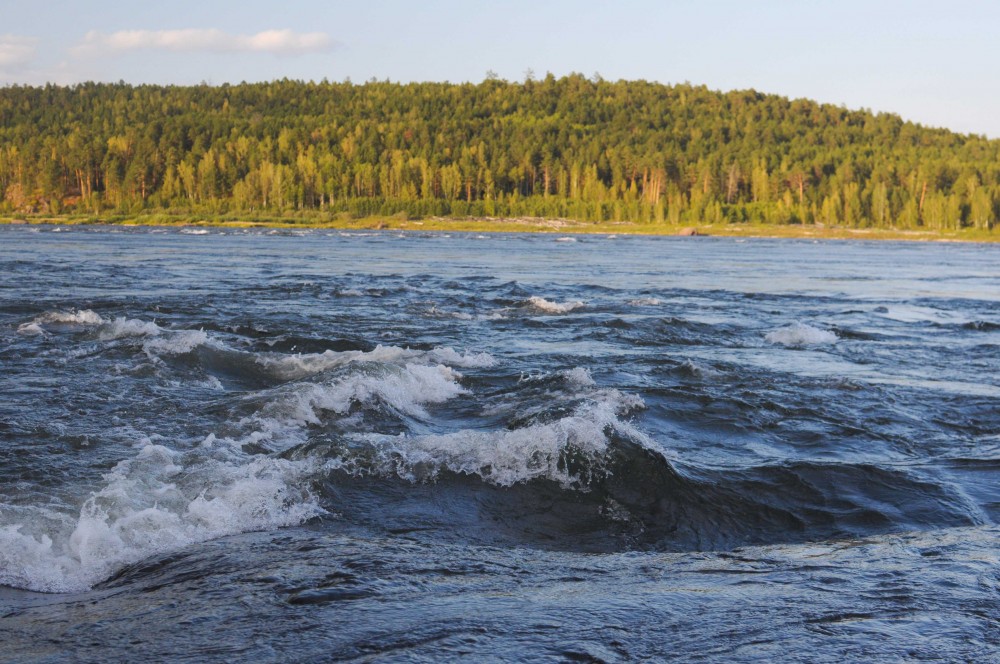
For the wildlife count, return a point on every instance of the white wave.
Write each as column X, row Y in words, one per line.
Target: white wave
column 566, row 238
column 349, row 292
column 194, row 231
column 576, row 377
column 579, row 377
column 443, row 313
column 506, row 457
column 696, row 370
column 29, row 329
column 801, row 334
column 406, row 389
column 176, row 342
column 159, row 341
column 554, row 307
column 645, row 302
column 293, row 367
column 83, row 317
column 156, row 502
column 127, row 327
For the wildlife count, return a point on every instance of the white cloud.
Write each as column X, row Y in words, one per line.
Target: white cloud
column 16, row 51
column 277, row 42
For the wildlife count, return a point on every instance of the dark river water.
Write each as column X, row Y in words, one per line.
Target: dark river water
column 232, row 445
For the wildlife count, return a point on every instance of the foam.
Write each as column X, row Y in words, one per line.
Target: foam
column 30, row 329
column 579, row 377
column 158, row 501
column 645, row 302
column 159, row 340
column 84, row 317
column 120, row 328
column 175, row 343
column 507, row 457
column 405, row 389
column 801, row 334
column 695, row 370
column 442, row 313
column 293, row 367
column 553, row 307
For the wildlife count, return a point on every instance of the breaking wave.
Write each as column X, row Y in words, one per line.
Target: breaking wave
column 800, row 334
column 547, row 306
column 158, row 501
column 566, row 450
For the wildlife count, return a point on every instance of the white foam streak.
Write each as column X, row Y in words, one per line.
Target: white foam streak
column 800, row 334
column 160, row 341
column 85, row 317
column 406, row 389
column 30, row 329
column 509, row 457
column 176, row 343
column 548, row 306
column 121, row 328
column 156, row 502
column 579, row 377
column 294, row 367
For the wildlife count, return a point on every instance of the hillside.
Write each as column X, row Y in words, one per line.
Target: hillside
column 569, row 148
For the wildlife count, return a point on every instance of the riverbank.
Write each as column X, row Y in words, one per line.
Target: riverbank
column 520, row 225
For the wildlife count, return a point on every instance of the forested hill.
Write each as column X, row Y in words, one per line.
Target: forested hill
column 569, row 147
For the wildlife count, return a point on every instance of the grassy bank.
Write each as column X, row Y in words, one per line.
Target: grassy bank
column 515, row 225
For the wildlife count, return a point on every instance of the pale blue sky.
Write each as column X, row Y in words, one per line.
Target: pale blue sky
column 933, row 62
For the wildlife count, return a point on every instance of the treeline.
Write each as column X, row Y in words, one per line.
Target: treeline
column 572, row 147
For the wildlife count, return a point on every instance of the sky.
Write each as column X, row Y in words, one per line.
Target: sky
column 935, row 63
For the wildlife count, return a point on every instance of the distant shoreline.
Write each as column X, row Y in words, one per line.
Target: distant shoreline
column 521, row 225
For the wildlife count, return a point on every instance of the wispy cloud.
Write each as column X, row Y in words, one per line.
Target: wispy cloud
column 16, row 51
column 277, row 42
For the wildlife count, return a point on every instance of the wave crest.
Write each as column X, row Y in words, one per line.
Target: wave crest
column 800, row 334
column 158, row 501
column 568, row 450
column 551, row 307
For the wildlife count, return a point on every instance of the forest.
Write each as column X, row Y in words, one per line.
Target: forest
column 575, row 147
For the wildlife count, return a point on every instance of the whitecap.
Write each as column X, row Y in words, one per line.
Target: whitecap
column 645, row 302
column 443, row 313
column 579, row 377
column 158, row 501
column 177, row 342
column 800, row 334
column 127, row 327
column 506, row 457
column 29, row 329
column 405, row 389
column 81, row 317
column 292, row 367
column 551, row 307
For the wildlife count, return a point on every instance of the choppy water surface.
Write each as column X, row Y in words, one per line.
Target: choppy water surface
column 259, row 445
